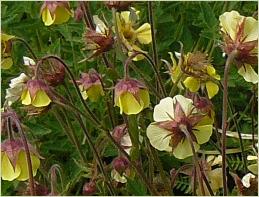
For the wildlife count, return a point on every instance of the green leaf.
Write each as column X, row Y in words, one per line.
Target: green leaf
column 136, row 187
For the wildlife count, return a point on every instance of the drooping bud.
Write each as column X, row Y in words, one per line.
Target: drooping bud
column 14, row 165
column 131, row 96
column 119, row 131
column 118, row 5
column 52, row 71
column 90, row 85
column 36, row 93
column 78, row 14
column 89, row 188
column 120, row 164
column 55, row 12
column 40, row 190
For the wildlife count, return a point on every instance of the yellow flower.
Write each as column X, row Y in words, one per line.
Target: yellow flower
column 6, row 47
column 90, row 86
column 131, row 96
column 36, row 94
column 14, row 163
column 55, row 12
column 130, row 35
column 240, row 33
column 195, row 83
column 170, row 115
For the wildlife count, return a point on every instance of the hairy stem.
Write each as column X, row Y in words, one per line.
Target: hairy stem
column 27, row 46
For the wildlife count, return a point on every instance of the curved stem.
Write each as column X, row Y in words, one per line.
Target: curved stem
column 28, row 156
column 224, row 119
column 27, row 46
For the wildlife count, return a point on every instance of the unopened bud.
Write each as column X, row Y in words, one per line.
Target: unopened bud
column 120, row 164
column 89, row 188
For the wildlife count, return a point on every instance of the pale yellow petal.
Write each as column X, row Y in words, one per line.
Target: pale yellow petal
column 6, row 37
column 8, row 172
column 144, row 96
column 144, row 34
column 95, row 92
column 117, row 177
column 62, row 15
column 229, row 22
column 202, row 133
column 251, row 29
column 41, row 99
column 22, row 161
column 186, row 104
column 129, row 104
column 26, row 97
column 6, row 63
column 253, row 168
column 46, row 17
column 248, row 73
column 164, row 110
column 184, row 150
column 159, row 138
column 212, row 89
column 192, row 84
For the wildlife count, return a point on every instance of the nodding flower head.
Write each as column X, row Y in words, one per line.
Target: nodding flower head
column 91, row 86
column 89, row 188
column 6, row 49
column 120, row 164
column 14, row 162
column 240, row 34
column 55, row 12
column 118, row 5
column 121, row 136
column 131, row 96
column 36, row 93
column 171, row 116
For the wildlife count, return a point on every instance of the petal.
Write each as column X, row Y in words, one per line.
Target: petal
column 28, row 61
column 186, row 104
column 100, row 26
column 26, row 97
column 164, row 110
column 251, row 29
column 138, row 57
column 129, row 104
column 144, row 96
column 144, row 34
column 83, row 92
column 6, row 37
column 184, row 150
column 229, row 22
column 7, row 170
column 6, row 63
column 94, row 92
column 253, row 168
column 215, row 177
column 212, row 88
column 62, row 15
column 125, row 15
column 46, row 17
column 117, row 177
column 246, row 180
column 192, row 84
column 212, row 72
column 159, row 138
column 202, row 133
column 41, row 99
column 22, row 161
column 248, row 73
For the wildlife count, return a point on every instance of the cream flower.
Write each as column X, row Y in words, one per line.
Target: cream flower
column 240, row 33
column 170, row 115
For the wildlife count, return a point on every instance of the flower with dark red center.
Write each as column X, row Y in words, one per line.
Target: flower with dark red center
column 131, row 96
column 240, row 34
column 171, row 116
column 36, row 93
column 90, row 85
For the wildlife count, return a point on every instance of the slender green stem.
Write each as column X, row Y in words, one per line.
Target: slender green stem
column 224, row 119
column 27, row 46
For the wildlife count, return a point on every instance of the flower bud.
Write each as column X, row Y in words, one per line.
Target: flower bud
column 36, row 93
column 120, row 164
column 89, row 188
column 131, row 96
column 78, row 14
column 91, row 86
column 119, row 131
column 14, row 162
column 55, row 12
column 53, row 72
column 118, row 5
